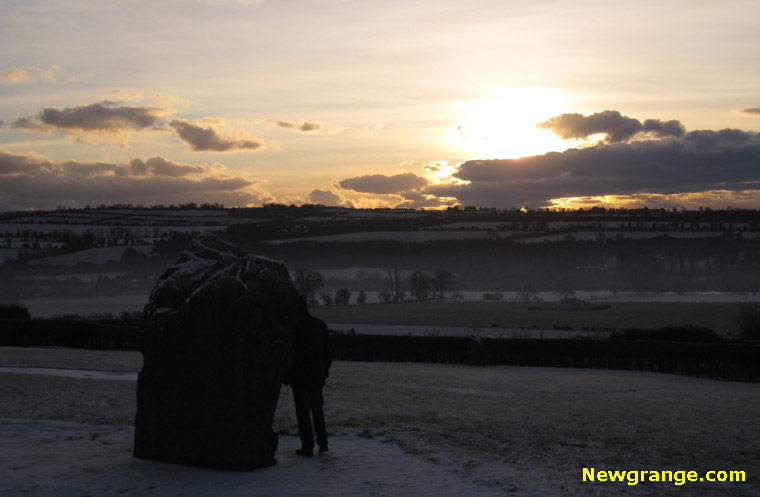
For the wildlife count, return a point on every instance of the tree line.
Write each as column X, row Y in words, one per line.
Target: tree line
column 421, row 285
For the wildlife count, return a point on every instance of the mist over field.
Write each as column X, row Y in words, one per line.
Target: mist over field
column 536, row 254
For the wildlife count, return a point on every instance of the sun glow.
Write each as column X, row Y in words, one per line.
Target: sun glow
column 503, row 124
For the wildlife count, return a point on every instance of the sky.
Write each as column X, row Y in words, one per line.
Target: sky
column 363, row 103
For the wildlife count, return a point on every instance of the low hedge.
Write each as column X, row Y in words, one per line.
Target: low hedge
column 74, row 333
column 722, row 360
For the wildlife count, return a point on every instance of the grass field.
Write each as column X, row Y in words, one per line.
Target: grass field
column 718, row 317
column 514, row 427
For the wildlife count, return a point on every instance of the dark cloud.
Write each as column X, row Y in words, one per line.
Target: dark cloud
column 699, row 161
column 27, row 165
column 382, row 185
column 206, row 139
column 158, row 166
column 664, row 129
column 325, row 197
column 417, row 200
column 617, row 127
column 30, row 181
column 101, row 117
column 83, row 170
column 304, row 126
column 29, row 124
column 755, row 111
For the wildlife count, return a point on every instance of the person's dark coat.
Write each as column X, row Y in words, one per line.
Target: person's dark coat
column 312, row 353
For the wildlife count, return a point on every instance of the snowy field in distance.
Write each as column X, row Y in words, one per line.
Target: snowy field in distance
column 93, row 256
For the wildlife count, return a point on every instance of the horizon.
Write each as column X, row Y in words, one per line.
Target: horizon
column 455, row 209
column 380, row 104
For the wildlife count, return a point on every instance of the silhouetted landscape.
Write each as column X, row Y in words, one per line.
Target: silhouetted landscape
column 122, row 249
column 464, row 292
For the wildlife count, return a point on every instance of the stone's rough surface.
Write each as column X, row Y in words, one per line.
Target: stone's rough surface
column 218, row 337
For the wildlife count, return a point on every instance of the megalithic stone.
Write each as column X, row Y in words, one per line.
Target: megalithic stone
column 217, row 343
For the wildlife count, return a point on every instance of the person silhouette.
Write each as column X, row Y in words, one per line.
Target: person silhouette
column 308, row 374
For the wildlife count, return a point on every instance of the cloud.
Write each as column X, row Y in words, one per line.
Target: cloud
column 414, row 200
column 32, row 181
column 755, row 111
column 158, row 166
column 14, row 164
column 28, row 74
column 304, row 126
column 127, row 94
column 697, row 162
column 100, row 117
column 205, row 139
column 50, row 74
column 664, row 129
column 14, row 76
column 325, row 197
column 29, row 124
column 169, row 101
column 382, row 185
column 617, row 127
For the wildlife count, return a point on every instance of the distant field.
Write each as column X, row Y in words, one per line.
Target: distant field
column 404, row 236
column 621, row 315
column 631, row 235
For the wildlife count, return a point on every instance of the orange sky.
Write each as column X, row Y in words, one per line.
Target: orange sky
column 392, row 103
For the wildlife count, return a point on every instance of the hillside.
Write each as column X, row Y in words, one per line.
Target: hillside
column 121, row 250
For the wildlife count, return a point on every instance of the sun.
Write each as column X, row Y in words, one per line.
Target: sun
column 502, row 125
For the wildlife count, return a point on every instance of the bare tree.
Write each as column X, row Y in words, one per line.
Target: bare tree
column 441, row 281
column 747, row 321
column 308, row 283
column 419, row 285
column 394, row 282
column 527, row 294
column 342, row 296
column 565, row 288
column 327, row 299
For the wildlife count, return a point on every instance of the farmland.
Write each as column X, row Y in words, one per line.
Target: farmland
column 718, row 317
column 122, row 250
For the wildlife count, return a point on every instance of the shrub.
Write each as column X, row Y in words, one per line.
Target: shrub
column 14, row 311
column 361, row 298
column 687, row 333
column 747, row 321
column 131, row 318
column 342, row 296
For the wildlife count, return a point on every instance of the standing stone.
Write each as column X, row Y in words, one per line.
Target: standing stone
column 217, row 343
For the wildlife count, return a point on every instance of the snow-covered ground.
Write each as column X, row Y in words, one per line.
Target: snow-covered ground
column 49, row 458
column 396, row 430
